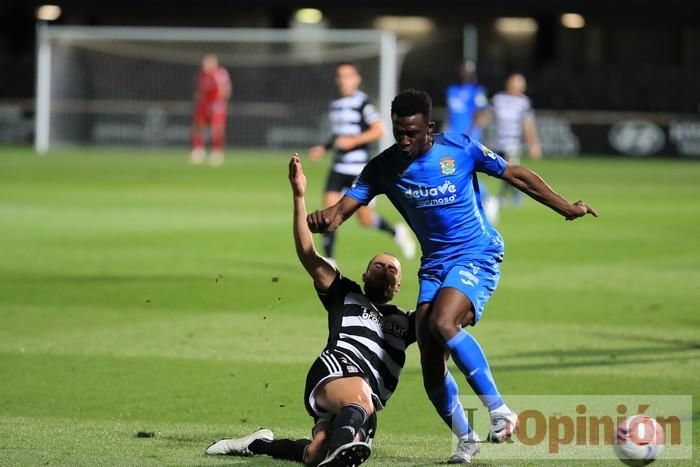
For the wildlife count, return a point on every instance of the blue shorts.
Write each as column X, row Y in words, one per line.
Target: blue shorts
column 477, row 279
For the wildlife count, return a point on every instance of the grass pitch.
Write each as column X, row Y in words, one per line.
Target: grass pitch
column 138, row 294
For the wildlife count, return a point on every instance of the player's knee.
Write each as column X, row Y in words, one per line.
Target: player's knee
column 364, row 400
column 366, row 223
column 443, row 326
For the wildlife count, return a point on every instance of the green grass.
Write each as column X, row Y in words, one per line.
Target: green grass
column 136, row 294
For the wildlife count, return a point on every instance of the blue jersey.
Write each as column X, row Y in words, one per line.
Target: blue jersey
column 463, row 102
column 437, row 195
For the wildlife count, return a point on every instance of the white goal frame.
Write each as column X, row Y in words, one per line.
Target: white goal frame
column 388, row 57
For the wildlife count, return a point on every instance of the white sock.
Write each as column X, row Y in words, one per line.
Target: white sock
column 503, row 408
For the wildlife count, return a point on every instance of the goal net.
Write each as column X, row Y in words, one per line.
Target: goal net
column 106, row 86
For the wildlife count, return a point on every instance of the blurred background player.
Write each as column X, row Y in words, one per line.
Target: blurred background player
column 467, row 113
column 355, row 124
column 467, row 104
column 513, row 117
column 211, row 108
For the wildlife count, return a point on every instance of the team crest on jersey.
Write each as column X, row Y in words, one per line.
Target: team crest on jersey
column 447, row 165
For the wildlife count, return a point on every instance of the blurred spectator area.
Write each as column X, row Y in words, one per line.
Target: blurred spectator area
column 630, row 55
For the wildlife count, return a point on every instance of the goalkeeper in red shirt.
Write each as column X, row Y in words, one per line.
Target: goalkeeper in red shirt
column 211, row 108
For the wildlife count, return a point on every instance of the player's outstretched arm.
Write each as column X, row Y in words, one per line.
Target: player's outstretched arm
column 318, row 268
column 532, row 185
column 371, row 135
column 329, row 219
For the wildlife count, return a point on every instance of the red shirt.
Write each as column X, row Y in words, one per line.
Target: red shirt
column 212, row 84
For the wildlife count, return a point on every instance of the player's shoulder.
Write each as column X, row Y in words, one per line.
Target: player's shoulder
column 221, row 74
column 453, row 139
column 388, row 155
column 341, row 285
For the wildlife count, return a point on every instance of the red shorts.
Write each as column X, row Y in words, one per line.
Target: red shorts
column 212, row 113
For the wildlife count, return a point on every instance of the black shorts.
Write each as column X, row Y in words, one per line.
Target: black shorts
column 339, row 182
column 330, row 365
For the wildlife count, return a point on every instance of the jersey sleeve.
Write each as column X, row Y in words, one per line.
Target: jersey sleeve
column 481, row 101
column 485, row 160
column 370, row 113
column 336, row 293
column 366, row 187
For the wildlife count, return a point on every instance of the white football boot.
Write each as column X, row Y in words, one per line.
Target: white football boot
column 237, row 446
column 348, row 455
column 503, row 425
column 467, row 448
column 197, row 156
column 216, row 159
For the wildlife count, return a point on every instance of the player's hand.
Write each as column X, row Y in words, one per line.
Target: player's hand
column 316, row 152
column 345, row 143
column 296, row 176
column 580, row 209
column 318, row 221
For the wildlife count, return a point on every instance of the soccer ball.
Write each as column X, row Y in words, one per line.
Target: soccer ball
column 639, row 441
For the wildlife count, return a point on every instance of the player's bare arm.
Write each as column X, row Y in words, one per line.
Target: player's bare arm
column 318, row 268
column 329, row 219
column 317, row 152
column 370, row 135
column 532, row 185
column 225, row 91
column 533, row 142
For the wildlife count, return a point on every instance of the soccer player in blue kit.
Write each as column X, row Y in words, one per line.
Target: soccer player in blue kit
column 430, row 178
column 467, row 103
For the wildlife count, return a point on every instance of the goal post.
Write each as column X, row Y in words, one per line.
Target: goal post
column 133, row 86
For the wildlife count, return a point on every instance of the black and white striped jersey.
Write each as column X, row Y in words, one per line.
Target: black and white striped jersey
column 510, row 112
column 374, row 337
column 350, row 116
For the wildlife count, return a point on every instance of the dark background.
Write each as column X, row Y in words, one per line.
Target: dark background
column 631, row 56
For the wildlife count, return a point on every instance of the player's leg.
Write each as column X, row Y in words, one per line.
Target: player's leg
column 350, row 399
column 198, row 153
column 460, row 303
column 287, row 449
column 218, row 136
column 442, row 389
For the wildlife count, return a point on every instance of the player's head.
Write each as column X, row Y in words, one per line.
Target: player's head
column 411, row 111
column 516, row 84
column 382, row 278
column 467, row 71
column 210, row 62
column 347, row 78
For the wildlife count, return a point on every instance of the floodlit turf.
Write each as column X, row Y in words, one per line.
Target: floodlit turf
column 138, row 294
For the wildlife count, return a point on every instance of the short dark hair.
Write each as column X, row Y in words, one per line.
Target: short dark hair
column 348, row 63
column 412, row 102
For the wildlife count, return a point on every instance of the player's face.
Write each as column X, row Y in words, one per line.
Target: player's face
column 516, row 85
column 382, row 278
column 347, row 79
column 210, row 63
column 413, row 134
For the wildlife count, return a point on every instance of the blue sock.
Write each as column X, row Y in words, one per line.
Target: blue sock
column 445, row 398
column 467, row 354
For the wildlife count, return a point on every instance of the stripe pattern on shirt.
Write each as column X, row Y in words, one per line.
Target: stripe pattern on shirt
column 351, row 116
column 510, row 112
